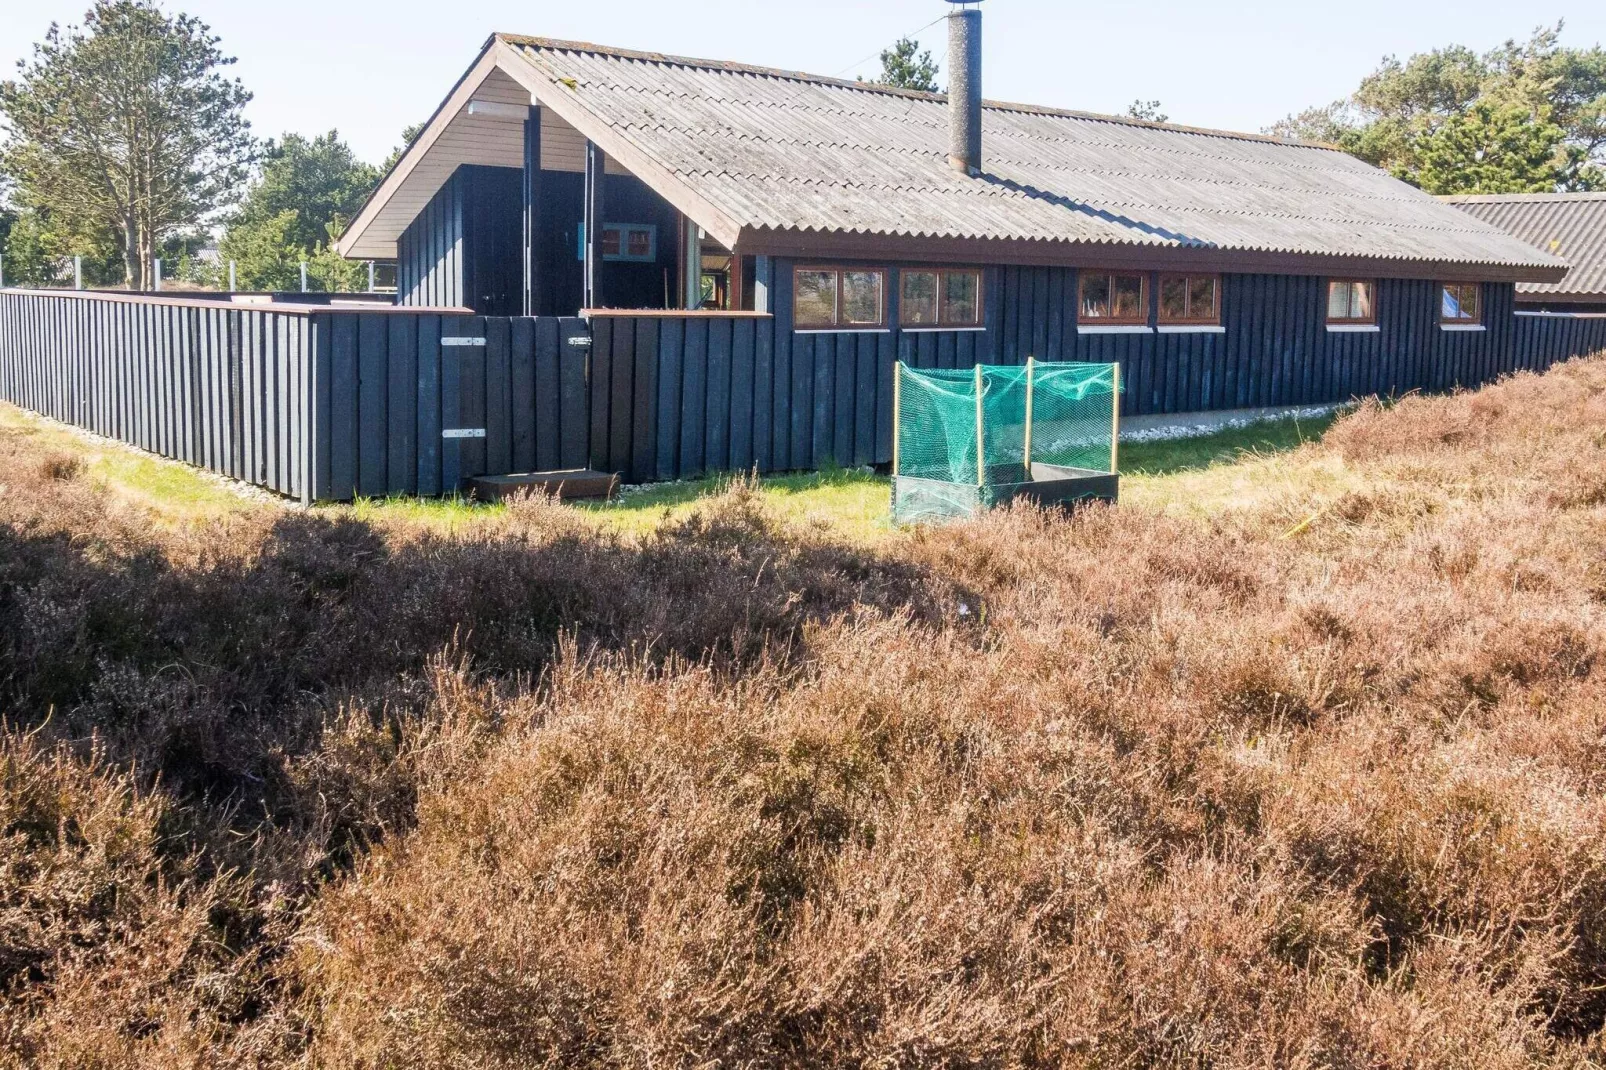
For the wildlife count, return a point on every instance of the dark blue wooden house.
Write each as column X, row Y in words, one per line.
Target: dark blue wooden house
column 1226, row 270
column 663, row 267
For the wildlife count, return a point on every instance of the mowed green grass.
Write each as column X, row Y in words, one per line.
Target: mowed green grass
column 1200, row 474
column 171, row 492
column 1195, row 475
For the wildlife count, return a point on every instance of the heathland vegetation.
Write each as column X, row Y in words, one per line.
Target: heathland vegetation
column 1312, row 777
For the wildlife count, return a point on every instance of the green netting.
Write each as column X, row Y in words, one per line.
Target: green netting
column 1073, row 419
column 963, row 435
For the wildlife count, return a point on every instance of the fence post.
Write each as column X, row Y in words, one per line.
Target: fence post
column 981, row 472
column 370, row 276
column 78, row 273
column 1031, row 366
column 233, row 286
column 1115, row 419
column 303, row 276
column 156, row 275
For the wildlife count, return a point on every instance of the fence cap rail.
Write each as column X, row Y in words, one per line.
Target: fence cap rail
column 360, row 308
column 672, row 313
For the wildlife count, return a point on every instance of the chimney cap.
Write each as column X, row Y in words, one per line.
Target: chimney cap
column 964, row 3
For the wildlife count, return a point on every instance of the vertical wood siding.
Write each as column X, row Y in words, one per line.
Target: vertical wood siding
column 404, row 408
column 678, row 397
column 331, row 404
column 224, row 388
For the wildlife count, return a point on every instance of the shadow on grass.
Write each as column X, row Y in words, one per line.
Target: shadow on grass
column 1265, row 437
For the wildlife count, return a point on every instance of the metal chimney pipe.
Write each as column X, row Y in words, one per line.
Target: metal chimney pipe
column 964, row 87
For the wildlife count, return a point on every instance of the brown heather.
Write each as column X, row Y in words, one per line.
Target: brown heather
column 1319, row 783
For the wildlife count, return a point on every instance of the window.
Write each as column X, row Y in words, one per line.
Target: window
column 1190, row 299
column 842, row 299
column 1461, row 303
column 1351, row 301
column 940, row 297
column 1114, row 299
column 625, row 242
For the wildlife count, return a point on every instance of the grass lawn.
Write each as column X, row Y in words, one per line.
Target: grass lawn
column 1195, row 475
column 170, row 491
column 1201, row 475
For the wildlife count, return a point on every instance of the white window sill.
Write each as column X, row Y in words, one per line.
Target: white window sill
column 843, row 330
column 1193, row 328
column 1474, row 327
column 943, row 330
column 1353, row 328
column 1129, row 328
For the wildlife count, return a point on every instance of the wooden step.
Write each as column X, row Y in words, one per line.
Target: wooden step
column 567, row 485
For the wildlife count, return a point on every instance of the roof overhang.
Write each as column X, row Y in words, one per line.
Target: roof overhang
column 956, row 250
column 547, row 90
column 564, row 99
column 1547, row 296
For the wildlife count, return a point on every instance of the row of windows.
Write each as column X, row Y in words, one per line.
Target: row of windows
column 1354, row 301
column 828, row 298
column 855, row 298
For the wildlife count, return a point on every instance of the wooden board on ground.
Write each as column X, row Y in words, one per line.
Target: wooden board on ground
column 567, row 485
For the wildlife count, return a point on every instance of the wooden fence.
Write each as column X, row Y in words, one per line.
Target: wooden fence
column 219, row 387
column 1540, row 339
column 419, row 405
column 328, row 403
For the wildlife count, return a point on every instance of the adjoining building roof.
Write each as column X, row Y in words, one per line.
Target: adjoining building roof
column 1569, row 225
column 787, row 163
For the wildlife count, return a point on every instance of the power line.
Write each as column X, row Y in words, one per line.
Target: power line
column 850, row 68
column 915, row 33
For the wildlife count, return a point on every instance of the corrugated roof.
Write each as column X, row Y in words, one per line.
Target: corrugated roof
column 777, row 151
column 1570, row 225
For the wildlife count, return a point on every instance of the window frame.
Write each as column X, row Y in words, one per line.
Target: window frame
column 941, row 270
column 1349, row 321
column 1462, row 321
column 1145, row 299
column 840, row 270
column 1188, row 279
column 624, row 230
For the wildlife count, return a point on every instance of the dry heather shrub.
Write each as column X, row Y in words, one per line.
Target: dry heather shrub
column 1169, row 794
column 61, row 466
column 112, row 953
column 1111, row 790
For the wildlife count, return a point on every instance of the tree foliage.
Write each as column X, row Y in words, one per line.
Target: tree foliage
column 1524, row 117
column 319, row 179
column 409, row 135
column 1148, row 111
column 125, row 129
column 302, row 199
column 905, row 66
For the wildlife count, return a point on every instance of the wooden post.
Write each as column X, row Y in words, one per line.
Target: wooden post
column 981, row 470
column 764, row 287
column 1031, row 367
column 596, row 171
column 532, row 212
column 692, row 262
column 897, row 411
column 1115, row 419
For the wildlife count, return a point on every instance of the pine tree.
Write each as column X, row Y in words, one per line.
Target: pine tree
column 126, row 128
column 904, row 66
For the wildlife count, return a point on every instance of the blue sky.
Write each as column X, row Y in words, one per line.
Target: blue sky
column 370, row 68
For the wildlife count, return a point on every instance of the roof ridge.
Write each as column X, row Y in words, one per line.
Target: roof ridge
column 561, row 45
column 1522, row 198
